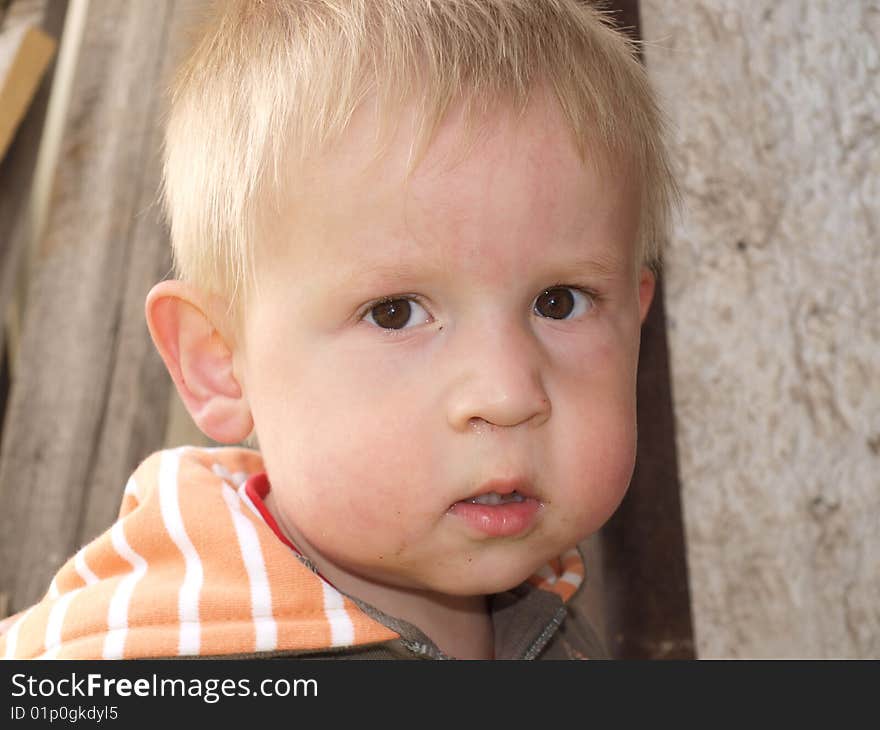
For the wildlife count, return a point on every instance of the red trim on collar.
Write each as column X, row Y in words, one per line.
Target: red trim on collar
column 257, row 488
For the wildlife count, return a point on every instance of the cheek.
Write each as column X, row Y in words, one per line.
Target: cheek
column 596, row 441
column 341, row 432
column 360, row 462
column 601, row 466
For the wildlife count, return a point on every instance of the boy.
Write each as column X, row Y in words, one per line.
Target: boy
column 414, row 243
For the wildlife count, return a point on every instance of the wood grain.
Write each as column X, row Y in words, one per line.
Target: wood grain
column 25, row 52
column 90, row 398
column 18, row 164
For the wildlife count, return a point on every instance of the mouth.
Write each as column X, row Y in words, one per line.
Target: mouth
column 501, row 508
column 493, row 498
column 502, row 491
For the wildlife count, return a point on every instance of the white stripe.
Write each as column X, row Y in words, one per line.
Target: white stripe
column 53, row 591
column 51, row 654
column 252, row 554
column 117, row 613
column 131, row 487
column 341, row 627
column 12, row 634
column 114, row 643
column 84, row 571
column 189, row 640
column 55, row 623
column 346, row 633
column 234, row 479
column 573, row 578
column 245, row 497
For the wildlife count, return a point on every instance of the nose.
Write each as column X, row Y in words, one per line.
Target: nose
column 498, row 379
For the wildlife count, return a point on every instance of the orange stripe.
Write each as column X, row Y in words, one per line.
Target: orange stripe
column 235, row 460
column 32, row 632
column 563, row 589
column 87, row 613
column 67, row 578
column 102, row 558
column 366, row 629
column 129, row 502
column 86, row 647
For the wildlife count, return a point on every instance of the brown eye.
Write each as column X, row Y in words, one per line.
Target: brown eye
column 397, row 314
column 392, row 315
column 555, row 303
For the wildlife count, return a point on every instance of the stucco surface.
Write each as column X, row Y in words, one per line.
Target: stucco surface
column 772, row 279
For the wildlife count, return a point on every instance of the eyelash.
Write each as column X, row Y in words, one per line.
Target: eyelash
column 392, row 298
column 590, row 293
column 585, row 290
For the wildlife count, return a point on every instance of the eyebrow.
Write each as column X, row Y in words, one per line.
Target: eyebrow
column 382, row 270
column 602, row 266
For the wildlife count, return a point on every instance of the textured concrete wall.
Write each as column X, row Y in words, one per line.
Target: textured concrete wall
column 772, row 292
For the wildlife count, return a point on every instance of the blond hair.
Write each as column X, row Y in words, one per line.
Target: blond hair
column 269, row 83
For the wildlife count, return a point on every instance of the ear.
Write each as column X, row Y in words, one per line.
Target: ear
column 186, row 330
column 647, row 285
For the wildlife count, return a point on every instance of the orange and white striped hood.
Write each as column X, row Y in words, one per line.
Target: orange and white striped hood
column 191, row 568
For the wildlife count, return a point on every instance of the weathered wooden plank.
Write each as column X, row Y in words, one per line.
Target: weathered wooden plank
column 646, row 592
column 25, row 53
column 91, row 394
column 16, row 175
column 17, row 165
column 27, row 12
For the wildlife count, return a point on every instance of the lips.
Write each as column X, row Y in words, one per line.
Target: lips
column 494, row 498
column 504, row 488
column 500, row 508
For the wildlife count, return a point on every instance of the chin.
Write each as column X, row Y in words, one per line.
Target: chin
column 482, row 582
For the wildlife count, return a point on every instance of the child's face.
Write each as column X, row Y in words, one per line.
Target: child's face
column 378, row 422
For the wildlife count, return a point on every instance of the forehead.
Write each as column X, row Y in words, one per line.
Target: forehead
column 518, row 186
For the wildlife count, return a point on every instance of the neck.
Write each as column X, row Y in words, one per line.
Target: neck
column 460, row 626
